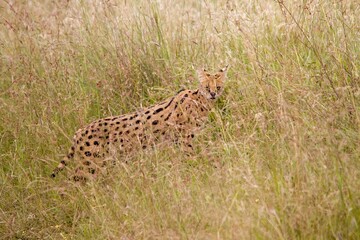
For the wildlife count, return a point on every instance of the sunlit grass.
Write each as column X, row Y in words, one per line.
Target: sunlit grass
column 279, row 158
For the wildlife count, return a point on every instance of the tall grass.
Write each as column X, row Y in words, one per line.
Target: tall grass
column 279, row 158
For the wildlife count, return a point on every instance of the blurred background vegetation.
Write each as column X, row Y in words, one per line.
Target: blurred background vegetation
column 279, row 158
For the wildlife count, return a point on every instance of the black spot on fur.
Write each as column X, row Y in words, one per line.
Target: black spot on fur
column 100, row 124
column 158, row 110
column 136, row 128
column 87, row 153
column 96, row 143
column 124, row 119
column 90, row 137
column 117, row 122
column 105, row 124
column 125, row 125
column 148, row 117
column 91, row 170
column 155, row 122
column 87, row 163
column 167, row 105
column 105, row 130
column 138, row 121
column 168, row 116
column 147, row 112
column 81, row 148
column 127, row 132
column 87, row 144
column 144, row 147
column 63, row 162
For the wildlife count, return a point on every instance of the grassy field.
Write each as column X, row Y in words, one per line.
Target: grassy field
column 279, row 158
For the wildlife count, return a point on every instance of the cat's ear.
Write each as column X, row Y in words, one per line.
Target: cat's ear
column 221, row 74
column 224, row 70
column 202, row 74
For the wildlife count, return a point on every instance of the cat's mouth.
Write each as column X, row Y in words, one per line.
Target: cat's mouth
column 212, row 97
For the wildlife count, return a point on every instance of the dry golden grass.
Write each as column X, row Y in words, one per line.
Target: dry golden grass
column 279, row 158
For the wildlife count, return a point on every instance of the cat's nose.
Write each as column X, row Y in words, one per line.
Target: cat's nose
column 212, row 94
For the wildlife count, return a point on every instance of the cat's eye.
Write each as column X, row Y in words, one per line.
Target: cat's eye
column 218, row 88
column 207, row 88
column 217, row 76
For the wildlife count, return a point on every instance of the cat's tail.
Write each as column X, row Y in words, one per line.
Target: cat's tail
column 63, row 163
